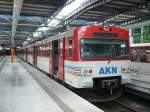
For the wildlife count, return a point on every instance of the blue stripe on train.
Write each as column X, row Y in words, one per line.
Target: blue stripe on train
column 73, row 68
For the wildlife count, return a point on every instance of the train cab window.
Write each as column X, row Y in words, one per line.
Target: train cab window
column 98, row 48
column 70, row 48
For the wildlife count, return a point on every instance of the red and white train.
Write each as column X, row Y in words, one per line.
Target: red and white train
column 85, row 57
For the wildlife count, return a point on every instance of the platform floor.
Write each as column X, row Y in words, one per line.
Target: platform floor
column 25, row 89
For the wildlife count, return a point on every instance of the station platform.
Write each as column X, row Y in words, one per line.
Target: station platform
column 25, row 89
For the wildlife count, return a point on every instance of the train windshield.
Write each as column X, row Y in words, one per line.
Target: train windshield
column 99, row 48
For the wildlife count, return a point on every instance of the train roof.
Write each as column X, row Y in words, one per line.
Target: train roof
column 69, row 34
column 66, row 34
column 56, row 37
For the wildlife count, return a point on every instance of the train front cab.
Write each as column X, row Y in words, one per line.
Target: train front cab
column 97, row 57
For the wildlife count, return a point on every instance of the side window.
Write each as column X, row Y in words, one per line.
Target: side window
column 70, row 48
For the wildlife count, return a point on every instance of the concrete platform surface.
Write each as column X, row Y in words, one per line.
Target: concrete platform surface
column 25, row 89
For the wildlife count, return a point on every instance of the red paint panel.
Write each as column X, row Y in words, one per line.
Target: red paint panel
column 43, row 50
column 32, row 53
column 50, row 60
column 87, row 31
column 61, row 60
column 76, row 45
column 66, row 49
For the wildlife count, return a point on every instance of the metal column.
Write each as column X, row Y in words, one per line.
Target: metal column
column 16, row 14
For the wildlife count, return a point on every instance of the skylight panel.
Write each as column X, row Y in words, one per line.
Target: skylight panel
column 65, row 12
column 60, row 16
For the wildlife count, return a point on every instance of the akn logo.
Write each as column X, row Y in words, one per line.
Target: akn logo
column 108, row 70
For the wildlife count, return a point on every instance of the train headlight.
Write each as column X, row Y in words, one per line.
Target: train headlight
column 86, row 71
column 125, row 69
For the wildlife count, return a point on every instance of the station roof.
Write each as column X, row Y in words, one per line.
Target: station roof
column 35, row 14
column 111, row 11
column 108, row 12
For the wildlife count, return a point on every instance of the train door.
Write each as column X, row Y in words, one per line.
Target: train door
column 61, row 60
column 34, row 56
column 55, row 58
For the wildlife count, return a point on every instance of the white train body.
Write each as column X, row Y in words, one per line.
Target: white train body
column 95, row 69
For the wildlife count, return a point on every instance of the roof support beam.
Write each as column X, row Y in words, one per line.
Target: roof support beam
column 144, row 5
column 138, row 25
column 16, row 14
column 85, row 7
column 7, row 32
column 5, row 18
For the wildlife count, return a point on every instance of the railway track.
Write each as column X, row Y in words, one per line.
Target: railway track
column 125, row 103
column 124, row 107
column 115, row 106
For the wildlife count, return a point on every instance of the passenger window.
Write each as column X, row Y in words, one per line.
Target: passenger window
column 70, row 48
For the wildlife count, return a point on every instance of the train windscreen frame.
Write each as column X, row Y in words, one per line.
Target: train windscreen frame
column 92, row 48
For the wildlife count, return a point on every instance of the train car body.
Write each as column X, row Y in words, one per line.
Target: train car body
column 86, row 57
column 140, row 52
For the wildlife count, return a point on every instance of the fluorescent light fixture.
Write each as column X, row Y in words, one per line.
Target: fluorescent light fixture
column 7, row 48
column 29, row 39
column 36, row 34
column 54, row 22
column 70, row 8
column 42, row 29
column 24, row 43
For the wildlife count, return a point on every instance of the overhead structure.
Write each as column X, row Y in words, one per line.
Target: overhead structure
column 105, row 12
column 37, row 14
column 33, row 14
column 110, row 11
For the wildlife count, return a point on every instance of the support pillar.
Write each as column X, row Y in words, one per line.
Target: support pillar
column 142, row 34
column 131, row 38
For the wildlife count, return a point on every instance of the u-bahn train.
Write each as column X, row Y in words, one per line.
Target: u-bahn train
column 85, row 57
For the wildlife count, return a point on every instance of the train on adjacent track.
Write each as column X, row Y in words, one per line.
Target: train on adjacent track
column 140, row 52
column 85, row 57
